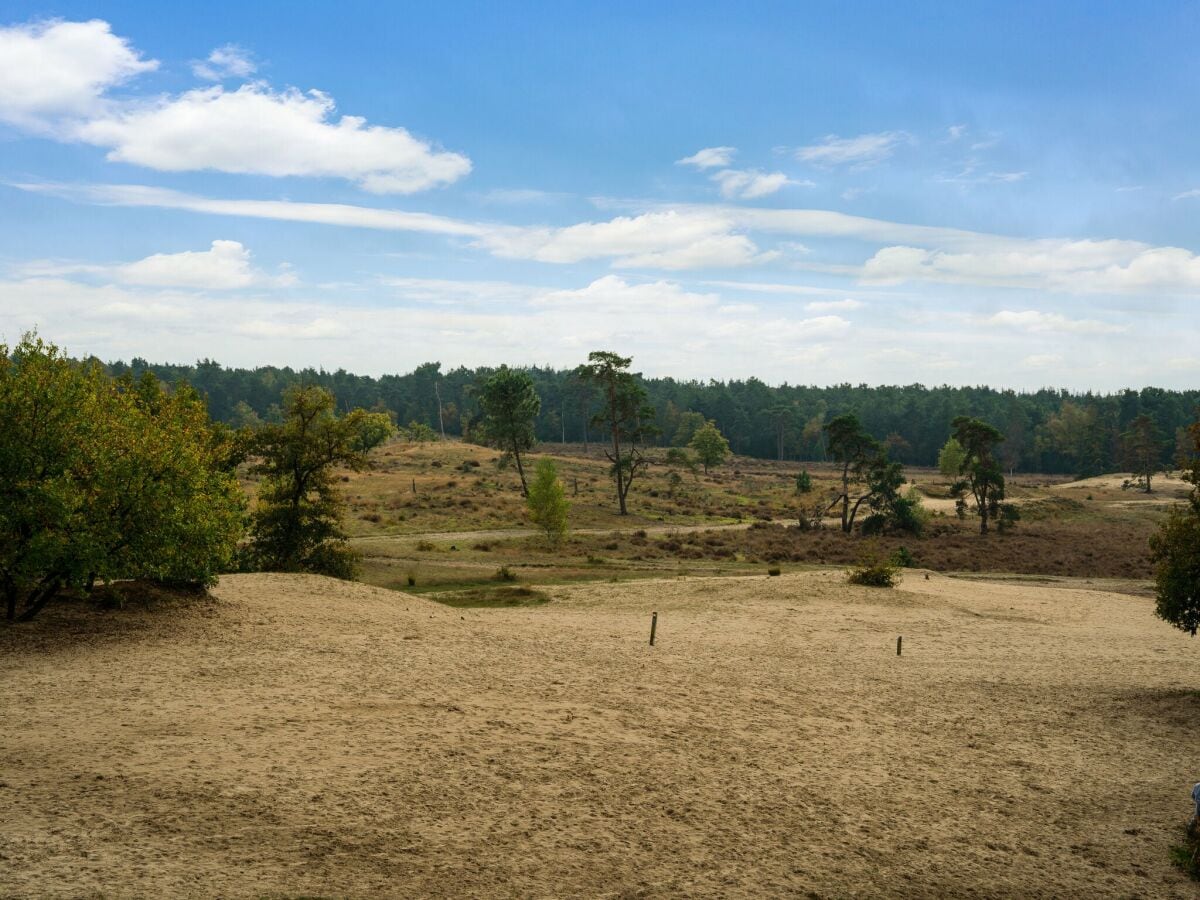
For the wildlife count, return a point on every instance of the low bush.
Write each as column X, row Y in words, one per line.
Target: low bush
column 504, row 573
column 875, row 570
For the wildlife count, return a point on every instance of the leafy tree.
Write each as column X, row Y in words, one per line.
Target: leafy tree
column 106, row 479
column 1175, row 550
column 420, row 433
column 374, row 430
column 710, row 445
column 625, row 413
column 296, row 525
column 979, row 470
column 547, row 501
column 510, row 405
column 689, row 423
column 950, row 458
column 1141, row 450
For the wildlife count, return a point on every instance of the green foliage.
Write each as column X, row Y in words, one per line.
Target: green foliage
column 104, row 479
column 1175, row 550
column 950, row 458
column 419, row 433
column 875, row 570
column 678, row 458
column 689, row 423
column 374, row 431
column 510, row 405
column 903, row 558
column 296, row 525
column 547, row 501
column 774, row 571
column 625, row 413
column 1009, row 517
column 867, row 476
column 710, row 445
column 804, row 482
column 979, row 470
column 1141, row 451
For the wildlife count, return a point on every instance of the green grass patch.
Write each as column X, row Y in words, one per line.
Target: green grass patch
column 493, row 597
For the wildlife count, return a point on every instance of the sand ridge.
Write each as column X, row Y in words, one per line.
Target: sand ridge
column 299, row 735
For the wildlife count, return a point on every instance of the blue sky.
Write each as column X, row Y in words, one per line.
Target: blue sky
column 882, row 193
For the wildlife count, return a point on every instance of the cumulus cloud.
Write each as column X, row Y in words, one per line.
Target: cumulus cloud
column 709, row 158
column 309, row 330
column 55, row 80
column 255, row 130
column 51, row 70
column 226, row 265
column 861, row 151
column 229, row 61
column 748, row 184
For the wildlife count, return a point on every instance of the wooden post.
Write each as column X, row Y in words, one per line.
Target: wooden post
column 899, row 644
column 653, row 626
column 414, row 485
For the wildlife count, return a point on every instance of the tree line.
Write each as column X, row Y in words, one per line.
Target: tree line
column 1054, row 431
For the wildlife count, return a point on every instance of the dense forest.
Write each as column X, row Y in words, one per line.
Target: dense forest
column 1047, row 430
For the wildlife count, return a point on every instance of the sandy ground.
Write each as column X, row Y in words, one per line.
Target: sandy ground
column 301, row 737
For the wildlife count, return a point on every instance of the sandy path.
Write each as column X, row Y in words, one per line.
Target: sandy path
column 308, row 737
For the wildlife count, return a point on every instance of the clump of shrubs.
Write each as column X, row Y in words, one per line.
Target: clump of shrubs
column 903, row 557
column 773, row 571
column 875, row 570
column 504, row 573
column 804, row 483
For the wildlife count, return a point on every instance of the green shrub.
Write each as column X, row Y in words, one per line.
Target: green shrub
column 903, row 557
column 804, row 483
column 773, row 571
column 504, row 573
column 875, row 570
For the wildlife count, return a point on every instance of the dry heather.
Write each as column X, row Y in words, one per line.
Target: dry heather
column 298, row 736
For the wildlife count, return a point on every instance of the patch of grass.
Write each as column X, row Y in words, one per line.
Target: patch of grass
column 504, row 573
column 1186, row 856
column 492, row 597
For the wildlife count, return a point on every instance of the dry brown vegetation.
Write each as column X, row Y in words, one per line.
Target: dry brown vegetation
column 466, row 518
column 297, row 736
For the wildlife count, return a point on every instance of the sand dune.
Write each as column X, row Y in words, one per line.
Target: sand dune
column 299, row 736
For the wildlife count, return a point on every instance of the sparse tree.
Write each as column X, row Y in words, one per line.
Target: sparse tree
column 866, row 471
column 511, row 405
column 781, row 416
column 979, row 470
column 1141, row 450
column 296, row 525
column 547, row 501
column 710, row 445
column 625, row 413
column 419, row 433
column 1175, row 550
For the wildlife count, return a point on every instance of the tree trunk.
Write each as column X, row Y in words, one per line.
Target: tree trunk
column 520, row 470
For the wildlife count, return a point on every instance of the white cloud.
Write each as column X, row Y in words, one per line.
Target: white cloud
column 313, row 329
column 1037, row 321
column 50, row 70
column 709, row 158
column 861, row 151
column 1111, row 266
column 749, row 184
column 666, row 240
column 224, row 266
column 847, row 305
column 1043, row 361
column 229, row 61
column 255, row 130
column 954, row 132
column 1186, row 195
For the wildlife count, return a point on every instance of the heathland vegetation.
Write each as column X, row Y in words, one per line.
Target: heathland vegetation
column 118, row 477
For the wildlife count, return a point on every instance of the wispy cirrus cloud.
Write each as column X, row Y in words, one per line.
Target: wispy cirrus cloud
column 861, row 151
column 709, row 158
